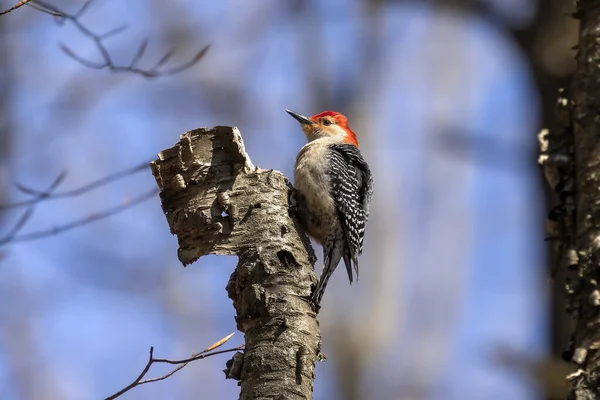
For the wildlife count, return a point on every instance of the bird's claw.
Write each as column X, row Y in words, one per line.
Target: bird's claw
column 314, row 304
column 294, row 205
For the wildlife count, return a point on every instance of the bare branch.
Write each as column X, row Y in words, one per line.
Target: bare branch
column 13, row 8
column 26, row 216
column 44, row 196
column 38, row 7
column 81, row 222
column 113, row 32
column 137, row 380
column 98, row 39
column 83, row 9
column 186, row 65
column 164, row 59
column 79, row 59
column 162, row 377
column 139, row 54
column 151, row 360
column 194, row 357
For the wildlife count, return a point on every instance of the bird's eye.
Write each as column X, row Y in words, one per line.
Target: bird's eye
column 327, row 122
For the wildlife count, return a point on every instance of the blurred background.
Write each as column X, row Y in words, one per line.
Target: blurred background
column 454, row 301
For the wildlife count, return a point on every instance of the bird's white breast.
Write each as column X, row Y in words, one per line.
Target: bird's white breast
column 312, row 181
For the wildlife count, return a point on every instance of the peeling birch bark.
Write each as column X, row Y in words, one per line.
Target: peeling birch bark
column 217, row 202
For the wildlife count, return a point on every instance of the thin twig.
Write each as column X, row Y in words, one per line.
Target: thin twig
column 163, row 377
column 38, row 7
column 26, row 216
column 13, row 8
column 44, row 196
column 151, row 360
column 80, row 222
column 137, row 380
column 107, row 62
column 197, row 356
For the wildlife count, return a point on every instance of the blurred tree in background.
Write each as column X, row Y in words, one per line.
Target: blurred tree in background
column 446, row 97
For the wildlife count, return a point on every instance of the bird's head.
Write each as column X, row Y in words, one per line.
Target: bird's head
column 326, row 124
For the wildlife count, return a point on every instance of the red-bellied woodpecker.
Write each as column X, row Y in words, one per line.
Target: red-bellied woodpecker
column 333, row 188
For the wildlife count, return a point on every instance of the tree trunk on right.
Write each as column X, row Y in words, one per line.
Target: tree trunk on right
column 571, row 159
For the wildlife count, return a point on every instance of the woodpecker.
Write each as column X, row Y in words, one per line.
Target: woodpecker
column 333, row 188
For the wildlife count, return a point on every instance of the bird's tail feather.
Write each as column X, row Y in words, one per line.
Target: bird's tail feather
column 348, row 263
column 355, row 262
column 333, row 255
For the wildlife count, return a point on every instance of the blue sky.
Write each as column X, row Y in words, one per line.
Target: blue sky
column 453, row 268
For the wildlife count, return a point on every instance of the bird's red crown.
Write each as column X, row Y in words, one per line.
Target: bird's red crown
column 340, row 120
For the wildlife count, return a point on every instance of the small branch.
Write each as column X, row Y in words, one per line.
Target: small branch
column 194, row 357
column 107, row 61
column 26, row 216
column 43, row 196
column 81, row 222
column 151, row 360
column 13, row 8
column 38, row 7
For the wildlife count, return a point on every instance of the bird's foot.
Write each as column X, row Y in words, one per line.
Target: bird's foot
column 314, row 304
column 294, row 204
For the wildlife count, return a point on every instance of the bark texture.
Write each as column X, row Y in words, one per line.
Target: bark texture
column 586, row 134
column 571, row 159
column 217, row 202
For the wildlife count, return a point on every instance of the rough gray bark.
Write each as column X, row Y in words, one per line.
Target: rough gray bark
column 571, row 158
column 217, row 202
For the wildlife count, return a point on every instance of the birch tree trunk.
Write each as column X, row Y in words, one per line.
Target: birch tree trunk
column 217, row 202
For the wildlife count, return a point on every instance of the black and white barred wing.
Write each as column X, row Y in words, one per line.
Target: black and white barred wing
column 352, row 189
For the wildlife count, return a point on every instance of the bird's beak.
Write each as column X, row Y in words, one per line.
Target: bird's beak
column 300, row 118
